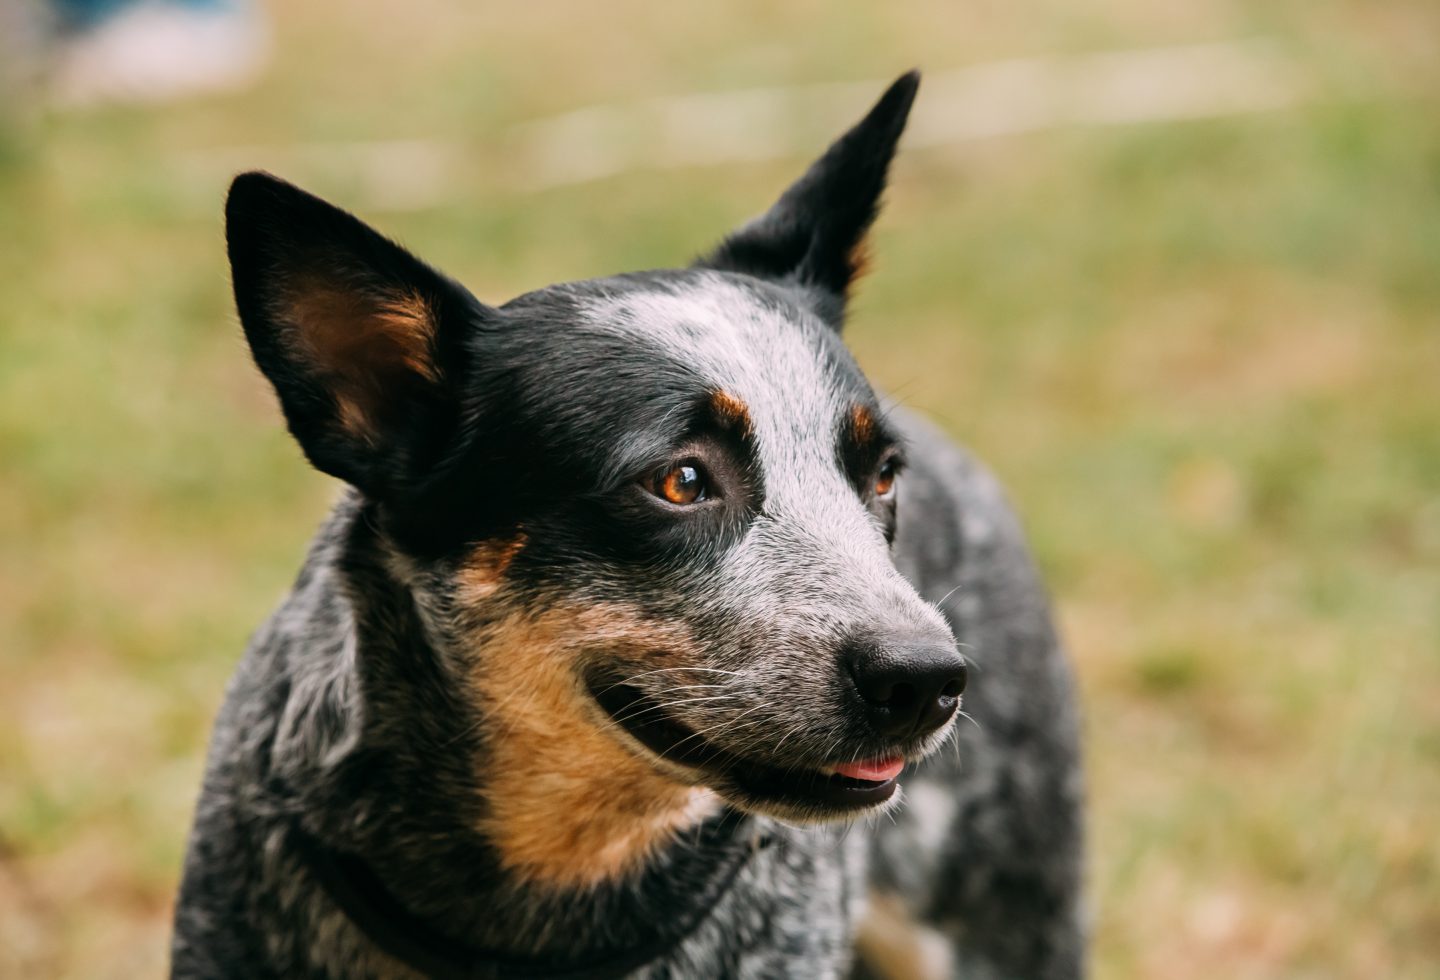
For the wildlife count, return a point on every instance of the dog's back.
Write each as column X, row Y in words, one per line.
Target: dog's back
column 623, row 624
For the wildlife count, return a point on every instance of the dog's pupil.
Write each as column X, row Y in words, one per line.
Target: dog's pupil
column 885, row 481
column 682, row 485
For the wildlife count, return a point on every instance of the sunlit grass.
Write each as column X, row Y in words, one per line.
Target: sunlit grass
column 1204, row 357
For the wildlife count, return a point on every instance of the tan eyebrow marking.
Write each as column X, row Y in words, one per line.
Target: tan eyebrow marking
column 731, row 411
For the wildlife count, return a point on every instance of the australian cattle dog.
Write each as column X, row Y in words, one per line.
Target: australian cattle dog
column 636, row 644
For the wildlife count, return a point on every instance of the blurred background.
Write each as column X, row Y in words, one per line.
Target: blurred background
column 1171, row 266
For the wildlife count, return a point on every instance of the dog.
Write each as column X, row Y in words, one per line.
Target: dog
column 636, row 605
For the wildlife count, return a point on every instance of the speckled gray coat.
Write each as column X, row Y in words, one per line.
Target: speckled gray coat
column 505, row 545
column 986, row 848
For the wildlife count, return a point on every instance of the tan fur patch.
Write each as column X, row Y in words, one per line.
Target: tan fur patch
column 353, row 416
column 862, row 424
column 894, row 946
column 482, row 570
column 730, row 410
column 361, row 343
column 570, row 805
column 859, row 260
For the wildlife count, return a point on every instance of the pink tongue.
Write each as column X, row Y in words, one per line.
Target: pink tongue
column 875, row 771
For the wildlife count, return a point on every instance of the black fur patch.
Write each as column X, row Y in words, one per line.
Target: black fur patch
column 814, row 234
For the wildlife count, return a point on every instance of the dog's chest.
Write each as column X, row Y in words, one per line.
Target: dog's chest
column 791, row 913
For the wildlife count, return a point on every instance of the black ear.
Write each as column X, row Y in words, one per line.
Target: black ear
column 815, row 233
column 364, row 343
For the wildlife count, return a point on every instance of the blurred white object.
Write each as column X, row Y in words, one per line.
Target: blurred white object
column 158, row 52
column 978, row 102
column 24, row 29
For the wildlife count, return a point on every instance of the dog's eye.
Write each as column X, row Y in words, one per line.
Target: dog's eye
column 682, row 484
column 885, row 479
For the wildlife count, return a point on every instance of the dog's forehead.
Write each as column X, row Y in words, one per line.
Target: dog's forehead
column 752, row 342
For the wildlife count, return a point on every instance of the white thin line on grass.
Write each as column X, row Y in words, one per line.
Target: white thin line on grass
column 983, row 101
column 979, row 102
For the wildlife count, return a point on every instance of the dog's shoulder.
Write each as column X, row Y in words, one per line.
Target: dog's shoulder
column 260, row 741
column 953, row 515
column 996, row 837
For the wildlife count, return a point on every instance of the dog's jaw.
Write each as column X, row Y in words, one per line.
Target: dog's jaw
column 567, row 805
column 795, row 793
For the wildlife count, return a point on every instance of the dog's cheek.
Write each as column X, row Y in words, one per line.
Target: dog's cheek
column 567, row 804
column 480, row 574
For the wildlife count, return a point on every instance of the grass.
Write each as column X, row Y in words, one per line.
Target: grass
column 1203, row 355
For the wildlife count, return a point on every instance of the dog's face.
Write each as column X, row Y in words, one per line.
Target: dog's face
column 652, row 512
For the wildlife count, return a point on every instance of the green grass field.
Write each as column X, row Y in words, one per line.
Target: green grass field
column 1203, row 354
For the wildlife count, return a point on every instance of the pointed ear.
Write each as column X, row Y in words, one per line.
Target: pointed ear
column 815, row 233
column 363, row 342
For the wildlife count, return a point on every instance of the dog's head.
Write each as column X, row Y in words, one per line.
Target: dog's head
column 651, row 512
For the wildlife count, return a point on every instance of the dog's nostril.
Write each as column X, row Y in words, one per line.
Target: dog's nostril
column 901, row 697
column 910, row 689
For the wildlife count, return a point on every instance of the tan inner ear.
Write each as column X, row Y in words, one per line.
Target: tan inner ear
column 362, row 344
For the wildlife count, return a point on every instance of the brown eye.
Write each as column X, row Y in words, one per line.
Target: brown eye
column 885, row 479
column 681, row 485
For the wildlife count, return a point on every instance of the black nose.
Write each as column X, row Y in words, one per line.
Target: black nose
column 908, row 688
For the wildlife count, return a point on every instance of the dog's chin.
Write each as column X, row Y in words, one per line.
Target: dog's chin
column 793, row 793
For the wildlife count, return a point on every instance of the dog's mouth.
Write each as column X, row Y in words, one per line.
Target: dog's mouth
column 833, row 789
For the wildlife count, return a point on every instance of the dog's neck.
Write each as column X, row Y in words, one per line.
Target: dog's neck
column 483, row 839
column 707, row 872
